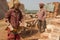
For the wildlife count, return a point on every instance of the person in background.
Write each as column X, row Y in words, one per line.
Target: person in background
column 14, row 17
column 41, row 14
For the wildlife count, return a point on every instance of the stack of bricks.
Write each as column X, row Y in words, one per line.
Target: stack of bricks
column 56, row 8
column 11, row 3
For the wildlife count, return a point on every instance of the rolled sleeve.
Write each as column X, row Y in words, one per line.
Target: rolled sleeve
column 7, row 15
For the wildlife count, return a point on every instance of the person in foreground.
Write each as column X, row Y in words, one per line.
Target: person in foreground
column 14, row 17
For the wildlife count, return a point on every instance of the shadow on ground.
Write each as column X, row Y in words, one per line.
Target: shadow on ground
column 28, row 33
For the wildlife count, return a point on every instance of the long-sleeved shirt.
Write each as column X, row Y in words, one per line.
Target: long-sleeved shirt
column 41, row 14
column 14, row 16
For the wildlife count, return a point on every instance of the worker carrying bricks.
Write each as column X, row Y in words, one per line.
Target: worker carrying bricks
column 41, row 14
column 14, row 17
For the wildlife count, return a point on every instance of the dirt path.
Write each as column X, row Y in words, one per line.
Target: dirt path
column 35, row 35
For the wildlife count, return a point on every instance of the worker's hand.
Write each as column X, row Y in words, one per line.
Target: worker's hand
column 15, row 30
column 20, row 21
column 6, row 20
column 42, row 19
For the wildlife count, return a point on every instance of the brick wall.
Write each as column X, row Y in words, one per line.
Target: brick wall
column 56, row 10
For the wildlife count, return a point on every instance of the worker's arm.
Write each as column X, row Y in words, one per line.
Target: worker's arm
column 44, row 15
column 7, row 16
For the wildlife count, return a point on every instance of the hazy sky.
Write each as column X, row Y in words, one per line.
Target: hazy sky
column 34, row 4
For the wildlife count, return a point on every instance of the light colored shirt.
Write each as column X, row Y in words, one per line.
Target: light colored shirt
column 41, row 14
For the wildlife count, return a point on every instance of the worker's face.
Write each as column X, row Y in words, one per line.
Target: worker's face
column 17, row 6
column 41, row 7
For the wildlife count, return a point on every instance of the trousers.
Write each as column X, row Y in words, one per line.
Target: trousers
column 41, row 25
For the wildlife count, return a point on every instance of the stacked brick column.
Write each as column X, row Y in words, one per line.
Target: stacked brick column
column 56, row 8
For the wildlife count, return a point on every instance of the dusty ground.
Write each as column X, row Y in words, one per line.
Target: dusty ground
column 36, row 35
